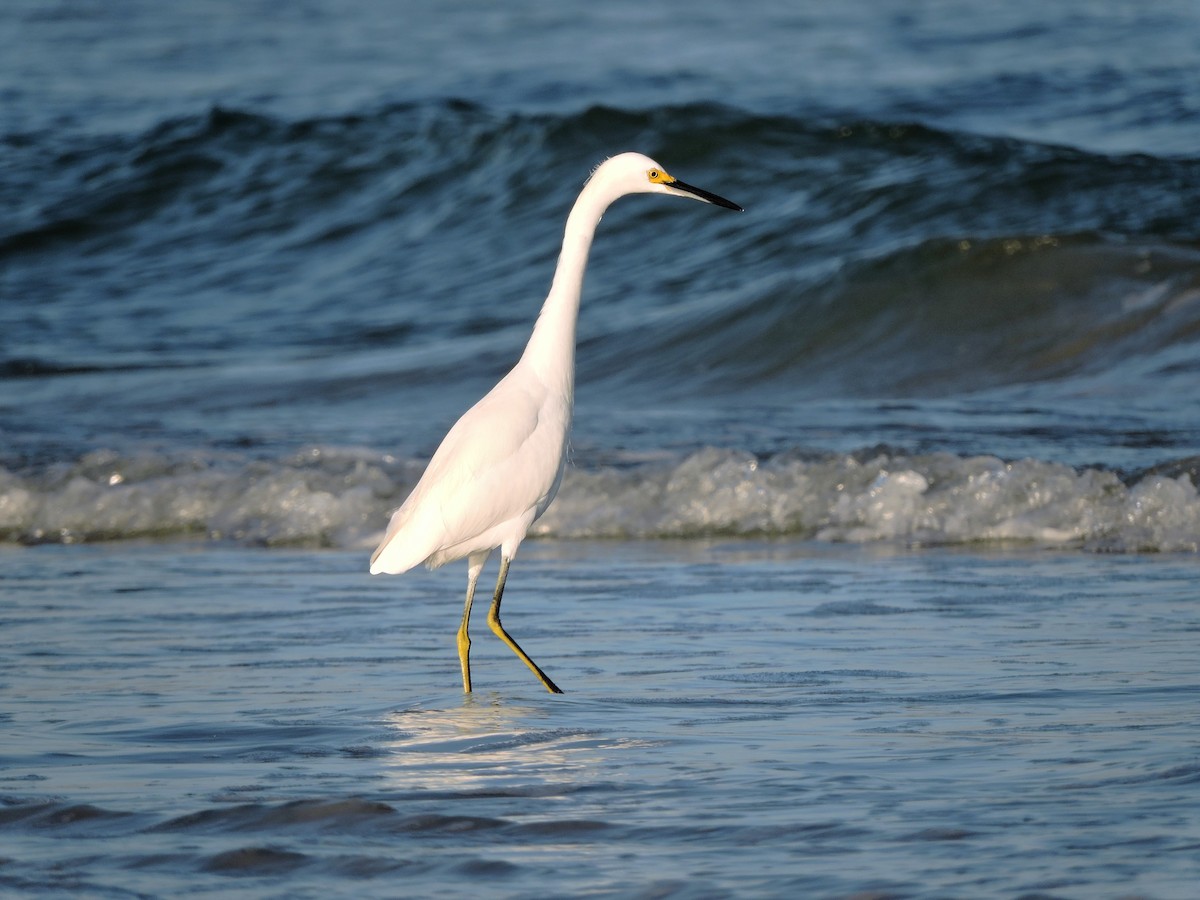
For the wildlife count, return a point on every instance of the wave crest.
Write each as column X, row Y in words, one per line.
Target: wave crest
column 879, row 496
column 340, row 497
column 945, row 316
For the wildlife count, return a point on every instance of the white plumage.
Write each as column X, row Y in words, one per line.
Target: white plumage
column 499, row 467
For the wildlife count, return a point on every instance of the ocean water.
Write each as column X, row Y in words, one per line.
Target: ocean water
column 741, row 719
column 873, row 573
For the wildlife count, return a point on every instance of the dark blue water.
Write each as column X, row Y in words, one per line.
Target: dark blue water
column 255, row 259
column 235, row 233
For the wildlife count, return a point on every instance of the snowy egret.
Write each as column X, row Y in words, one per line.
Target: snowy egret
column 501, row 464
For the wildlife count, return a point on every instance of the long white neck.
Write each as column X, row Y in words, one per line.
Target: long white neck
column 551, row 348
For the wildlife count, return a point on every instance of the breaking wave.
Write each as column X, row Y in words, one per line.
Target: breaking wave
column 341, row 497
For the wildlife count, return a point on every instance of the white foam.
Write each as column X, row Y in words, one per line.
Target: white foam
column 341, row 497
column 935, row 498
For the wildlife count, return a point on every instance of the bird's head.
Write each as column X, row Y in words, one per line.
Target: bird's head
column 634, row 173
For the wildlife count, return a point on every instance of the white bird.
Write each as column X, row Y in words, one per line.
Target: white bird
column 500, row 466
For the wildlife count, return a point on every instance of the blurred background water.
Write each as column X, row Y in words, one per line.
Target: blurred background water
column 254, row 260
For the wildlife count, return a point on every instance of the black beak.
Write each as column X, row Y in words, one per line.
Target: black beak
column 706, row 196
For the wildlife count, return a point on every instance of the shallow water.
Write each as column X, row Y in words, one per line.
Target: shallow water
column 741, row 718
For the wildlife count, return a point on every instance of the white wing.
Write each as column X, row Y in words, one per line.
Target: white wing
column 495, row 471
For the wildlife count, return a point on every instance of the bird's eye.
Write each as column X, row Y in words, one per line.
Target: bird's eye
column 654, row 176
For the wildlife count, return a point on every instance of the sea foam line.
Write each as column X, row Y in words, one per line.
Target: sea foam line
column 341, row 497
